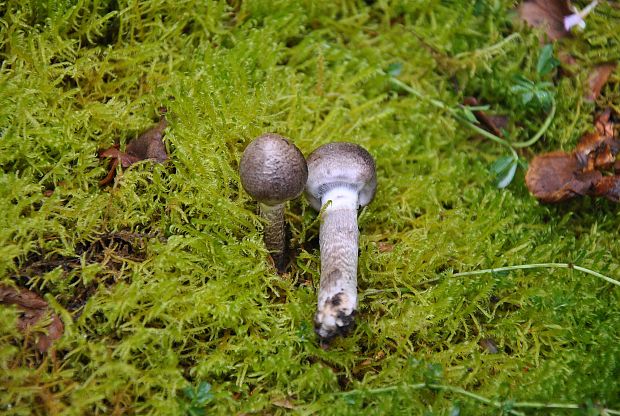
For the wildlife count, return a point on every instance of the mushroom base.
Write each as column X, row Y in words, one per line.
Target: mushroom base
column 335, row 318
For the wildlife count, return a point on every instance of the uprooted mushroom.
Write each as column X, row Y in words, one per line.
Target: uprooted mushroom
column 341, row 179
column 591, row 169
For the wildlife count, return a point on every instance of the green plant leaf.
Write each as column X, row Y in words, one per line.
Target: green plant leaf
column 504, row 170
column 526, row 97
column 196, row 411
column 203, row 393
column 501, row 164
column 394, row 69
column 433, row 373
column 544, row 98
column 506, row 179
column 189, row 393
column 469, row 115
column 523, row 81
column 546, row 61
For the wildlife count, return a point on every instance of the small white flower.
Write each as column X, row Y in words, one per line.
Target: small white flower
column 576, row 19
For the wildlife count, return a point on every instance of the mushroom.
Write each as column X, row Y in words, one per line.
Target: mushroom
column 273, row 170
column 341, row 179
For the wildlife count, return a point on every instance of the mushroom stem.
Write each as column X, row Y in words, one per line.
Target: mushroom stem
column 274, row 232
column 338, row 239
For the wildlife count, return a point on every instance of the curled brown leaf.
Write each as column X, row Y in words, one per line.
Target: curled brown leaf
column 598, row 150
column 149, row 145
column 609, row 187
column 33, row 308
column 558, row 176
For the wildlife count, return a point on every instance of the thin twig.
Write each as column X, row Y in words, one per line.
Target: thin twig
column 539, row 266
column 489, row 50
column 474, row 396
column 508, row 406
column 540, row 132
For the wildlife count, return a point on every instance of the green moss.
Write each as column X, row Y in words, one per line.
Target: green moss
column 162, row 279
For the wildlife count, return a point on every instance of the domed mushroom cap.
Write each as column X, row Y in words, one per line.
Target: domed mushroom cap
column 340, row 164
column 272, row 169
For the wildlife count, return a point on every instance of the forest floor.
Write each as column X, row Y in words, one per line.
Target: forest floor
column 154, row 294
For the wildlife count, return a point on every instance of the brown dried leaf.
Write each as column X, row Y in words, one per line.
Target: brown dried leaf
column 605, row 158
column 598, row 150
column 125, row 159
column 149, row 145
column 33, row 308
column 558, row 176
column 597, row 79
column 609, row 187
column 385, row 247
column 604, row 125
column 491, row 123
column 547, row 14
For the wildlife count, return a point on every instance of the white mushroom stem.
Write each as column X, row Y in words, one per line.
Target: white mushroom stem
column 338, row 238
column 274, row 231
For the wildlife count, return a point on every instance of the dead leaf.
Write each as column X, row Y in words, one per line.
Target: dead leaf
column 149, row 145
column 609, row 187
column 597, row 80
column 604, row 124
column 546, row 14
column 491, row 123
column 33, row 308
column 558, row 176
column 385, row 247
column 598, row 150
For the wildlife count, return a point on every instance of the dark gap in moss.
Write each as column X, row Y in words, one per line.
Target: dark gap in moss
column 343, row 381
column 112, row 249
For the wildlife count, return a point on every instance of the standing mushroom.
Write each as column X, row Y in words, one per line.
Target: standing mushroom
column 341, row 178
column 273, row 170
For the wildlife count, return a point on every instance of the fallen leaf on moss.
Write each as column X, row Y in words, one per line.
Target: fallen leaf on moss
column 604, row 124
column 598, row 150
column 558, row 176
column 149, row 145
column 385, row 247
column 609, row 187
column 597, row 80
column 33, row 309
column 547, row 14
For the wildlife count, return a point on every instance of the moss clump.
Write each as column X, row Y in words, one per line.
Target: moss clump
column 161, row 279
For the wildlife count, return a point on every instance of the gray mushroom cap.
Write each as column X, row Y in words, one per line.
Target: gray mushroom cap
column 340, row 164
column 273, row 170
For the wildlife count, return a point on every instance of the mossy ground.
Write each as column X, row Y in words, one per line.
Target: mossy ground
column 162, row 279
